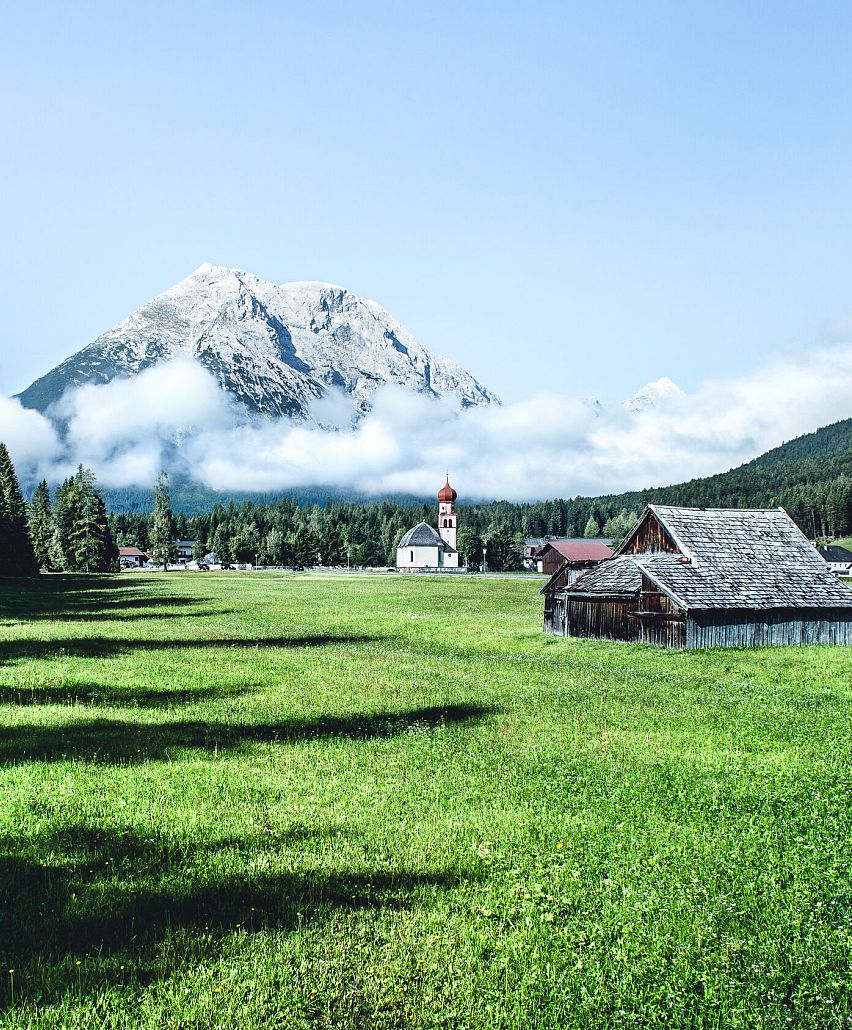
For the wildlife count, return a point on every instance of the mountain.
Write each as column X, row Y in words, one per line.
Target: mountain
column 275, row 349
column 655, row 394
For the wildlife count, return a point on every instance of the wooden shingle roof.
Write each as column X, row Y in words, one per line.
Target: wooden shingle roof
column 613, row 576
column 737, row 558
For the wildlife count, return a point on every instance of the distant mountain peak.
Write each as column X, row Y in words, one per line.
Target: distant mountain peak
column 654, row 394
column 275, row 348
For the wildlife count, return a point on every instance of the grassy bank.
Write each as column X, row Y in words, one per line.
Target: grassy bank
column 292, row 801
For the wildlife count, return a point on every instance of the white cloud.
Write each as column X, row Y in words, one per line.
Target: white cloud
column 545, row 446
column 32, row 441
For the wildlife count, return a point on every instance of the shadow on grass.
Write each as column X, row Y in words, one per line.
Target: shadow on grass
column 89, row 599
column 112, row 898
column 128, row 742
column 118, row 697
column 110, row 647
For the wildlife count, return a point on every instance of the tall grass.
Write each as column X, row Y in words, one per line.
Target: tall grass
column 296, row 801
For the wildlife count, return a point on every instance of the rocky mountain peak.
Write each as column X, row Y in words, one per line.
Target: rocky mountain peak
column 274, row 348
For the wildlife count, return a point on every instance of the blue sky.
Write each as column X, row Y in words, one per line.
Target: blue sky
column 585, row 196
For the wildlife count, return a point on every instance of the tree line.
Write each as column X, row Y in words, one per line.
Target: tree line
column 67, row 533
column 815, row 490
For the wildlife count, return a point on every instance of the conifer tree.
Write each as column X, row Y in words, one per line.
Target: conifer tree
column 40, row 518
column 305, row 545
column 82, row 538
column 5, row 538
column 65, row 508
column 162, row 540
column 592, row 528
column 17, row 549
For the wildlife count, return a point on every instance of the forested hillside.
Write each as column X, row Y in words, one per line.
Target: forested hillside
column 811, row 477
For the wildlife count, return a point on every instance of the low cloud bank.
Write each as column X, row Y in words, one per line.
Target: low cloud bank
column 546, row 446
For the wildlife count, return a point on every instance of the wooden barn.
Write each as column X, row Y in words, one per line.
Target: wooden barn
column 714, row 577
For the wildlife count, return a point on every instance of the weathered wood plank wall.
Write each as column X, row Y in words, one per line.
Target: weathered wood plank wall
column 608, row 619
column 768, row 628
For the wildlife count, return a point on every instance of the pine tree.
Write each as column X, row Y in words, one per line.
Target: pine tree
column 162, row 539
column 40, row 518
column 593, row 527
column 5, row 538
column 18, row 558
column 65, row 507
column 305, row 545
column 92, row 548
column 82, row 540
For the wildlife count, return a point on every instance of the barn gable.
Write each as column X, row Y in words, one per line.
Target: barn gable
column 650, row 536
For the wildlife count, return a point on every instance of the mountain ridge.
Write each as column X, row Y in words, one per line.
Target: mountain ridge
column 276, row 349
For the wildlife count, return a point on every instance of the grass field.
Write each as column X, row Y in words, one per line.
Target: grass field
column 295, row 801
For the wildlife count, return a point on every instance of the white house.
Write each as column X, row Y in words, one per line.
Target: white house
column 423, row 547
column 838, row 559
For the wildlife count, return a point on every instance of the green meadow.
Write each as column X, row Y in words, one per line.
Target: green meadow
column 265, row 800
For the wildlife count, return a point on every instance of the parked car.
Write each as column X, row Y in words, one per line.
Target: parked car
column 202, row 567
column 298, row 568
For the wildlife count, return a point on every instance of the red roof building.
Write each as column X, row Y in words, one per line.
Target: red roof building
column 579, row 553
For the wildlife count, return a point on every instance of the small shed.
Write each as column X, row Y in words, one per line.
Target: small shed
column 708, row 577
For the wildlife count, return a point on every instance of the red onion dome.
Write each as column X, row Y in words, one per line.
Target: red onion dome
column 446, row 494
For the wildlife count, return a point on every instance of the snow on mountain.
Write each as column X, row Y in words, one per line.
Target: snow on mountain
column 276, row 349
column 654, row 395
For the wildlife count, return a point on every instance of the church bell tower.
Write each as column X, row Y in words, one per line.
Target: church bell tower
column 448, row 520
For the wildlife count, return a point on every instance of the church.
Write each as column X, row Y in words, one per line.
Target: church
column 425, row 548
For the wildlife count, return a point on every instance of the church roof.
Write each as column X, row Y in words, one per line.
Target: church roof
column 422, row 535
column 446, row 493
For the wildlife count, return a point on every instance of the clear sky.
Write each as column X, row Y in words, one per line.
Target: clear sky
column 585, row 196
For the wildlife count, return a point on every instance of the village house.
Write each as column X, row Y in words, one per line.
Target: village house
column 532, row 545
column 185, row 549
column 838, row 559
column 695, row 577
column 131, row 557
column 423, row 547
